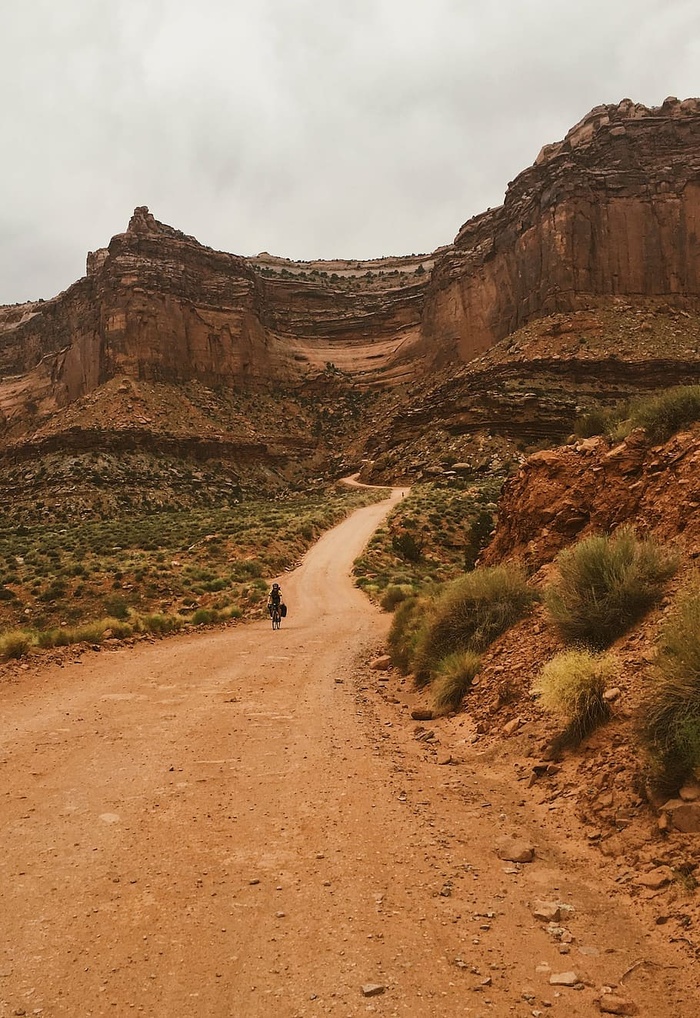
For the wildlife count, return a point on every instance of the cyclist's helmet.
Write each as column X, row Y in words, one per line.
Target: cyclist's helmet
column 275, row 586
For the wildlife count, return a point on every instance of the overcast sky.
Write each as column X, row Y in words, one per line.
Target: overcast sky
column 306, row 128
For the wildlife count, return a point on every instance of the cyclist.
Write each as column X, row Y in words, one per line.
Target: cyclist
column 274, row 597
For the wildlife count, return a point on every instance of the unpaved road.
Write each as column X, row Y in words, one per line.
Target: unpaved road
column 233, row 824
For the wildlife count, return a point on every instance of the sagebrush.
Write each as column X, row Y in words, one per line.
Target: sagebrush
column 469, row 614
column 454, row 675
column 606, row 584
column 664, row 414
column 669, row 720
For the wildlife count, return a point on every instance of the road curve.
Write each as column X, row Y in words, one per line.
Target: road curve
column 164, row 805
column 232, row 824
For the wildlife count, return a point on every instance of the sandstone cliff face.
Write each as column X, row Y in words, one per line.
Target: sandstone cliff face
column 158, row 306
column 612, row 209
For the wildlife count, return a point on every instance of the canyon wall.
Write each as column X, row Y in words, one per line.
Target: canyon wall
column 613, row 209
column 156, row 305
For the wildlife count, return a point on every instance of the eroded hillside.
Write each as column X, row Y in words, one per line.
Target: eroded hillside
column 609, row 214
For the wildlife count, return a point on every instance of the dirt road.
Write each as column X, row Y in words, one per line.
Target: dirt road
column 234, row 824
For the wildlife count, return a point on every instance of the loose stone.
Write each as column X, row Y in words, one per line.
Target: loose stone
column 563, row 979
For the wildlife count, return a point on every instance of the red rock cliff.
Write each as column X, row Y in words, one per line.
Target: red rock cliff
column 612, row 209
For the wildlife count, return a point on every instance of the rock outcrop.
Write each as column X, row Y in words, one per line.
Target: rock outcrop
column 563, row 494
column 613, row 209
column 158, row 306
column 529, row 389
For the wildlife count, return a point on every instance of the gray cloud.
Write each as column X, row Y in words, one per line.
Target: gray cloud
column 305, row 128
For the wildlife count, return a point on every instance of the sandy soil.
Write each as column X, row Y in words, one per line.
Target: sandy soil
column 242, row 823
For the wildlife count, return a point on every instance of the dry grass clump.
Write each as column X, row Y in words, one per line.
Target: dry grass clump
column 661, row 415
column 571, row 686
column 606, row 584
column 666, row 413
column 453, row 678
column 394, row 594
column 669, row 723
column 599, row 421
column 404, row 631
column 469, row 614
column 15, row 643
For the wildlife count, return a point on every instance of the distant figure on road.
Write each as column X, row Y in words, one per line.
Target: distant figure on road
column 274, row 597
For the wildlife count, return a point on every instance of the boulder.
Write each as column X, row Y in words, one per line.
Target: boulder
column 685, row 816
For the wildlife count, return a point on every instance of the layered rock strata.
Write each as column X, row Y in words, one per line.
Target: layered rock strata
column 612, row 209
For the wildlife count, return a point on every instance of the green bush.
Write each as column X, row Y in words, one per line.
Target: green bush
column 158, row 623
column 606, row 584
column 571, row 686
column 595, row 422
column 116, row 606
column 661, row 416
column 480, row 531
column 394, row 594
column 670, row 715
column 470, row 612
column 87, row 632
column 203, row 616
column 119, row 629
column 403, row 631
column 15, row 643
column 407, row 547
column 454, row 675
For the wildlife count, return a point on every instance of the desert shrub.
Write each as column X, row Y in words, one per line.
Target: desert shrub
column 479, row 534
column 15, row 643
column 88, row 632
column 394, row 594
column 214, row 586
column 6, row 594
column 248, row 569
column 454, row 675
column 606, row 584
column 159, row 623
column 595, row 422
column 55, row 637
column 116, row 606
column 403, row 631
column 119, row 629
column 203, row 616
column 470, row 613
column 407, row 546
column 54, row 592
column 571, row 686
column 669, row 723
column 662, row 415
